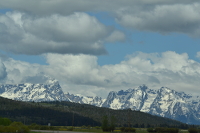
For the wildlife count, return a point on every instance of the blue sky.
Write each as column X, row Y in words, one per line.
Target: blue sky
column 151, row 43
column 94, row 47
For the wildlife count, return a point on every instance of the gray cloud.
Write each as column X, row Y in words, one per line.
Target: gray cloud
column 44, row 7
column 36, row 79
column 164, row 19
column 78, row 27
column 154, row 15
column 3, row 73
column 38, row 27
column 116, row 36
column 75, row 34
column 153, row 80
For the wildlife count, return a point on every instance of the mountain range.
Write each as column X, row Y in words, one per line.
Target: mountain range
column 163, row 102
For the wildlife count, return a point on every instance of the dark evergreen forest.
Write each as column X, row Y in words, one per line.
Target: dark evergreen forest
column 73, row 114
column 29, row 112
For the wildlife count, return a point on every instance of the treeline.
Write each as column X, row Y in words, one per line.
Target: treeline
column 124, row 118
column 73, row 114
column 29, row 113
column 44, row 116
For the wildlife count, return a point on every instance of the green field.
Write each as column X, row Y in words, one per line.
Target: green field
column 95, row 130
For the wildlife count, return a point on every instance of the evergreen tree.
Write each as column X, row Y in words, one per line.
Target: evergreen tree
column 112, row 123
column 105, row 123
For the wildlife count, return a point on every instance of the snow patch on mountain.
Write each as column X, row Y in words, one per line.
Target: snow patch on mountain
column 50, row 91
column 78, row 98
column 163, row 102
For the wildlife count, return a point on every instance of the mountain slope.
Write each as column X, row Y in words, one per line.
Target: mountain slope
column 163, row 102
column 97, row 101
column 63, row 113
column 32, row 112
column 123, row 117
column 51, row 91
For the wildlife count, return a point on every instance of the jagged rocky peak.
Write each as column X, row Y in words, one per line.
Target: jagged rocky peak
column 152, row 91
column 130, row 90
column 163, row 102
column 121, row 92
column 143, row 87
column 165, row 90
column 49, row 90
column 96, row 98
column 112, row 94
column 78, row 98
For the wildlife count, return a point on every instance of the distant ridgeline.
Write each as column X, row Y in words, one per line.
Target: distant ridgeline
column 68, row 114
column 30, row 112
column 163, row 102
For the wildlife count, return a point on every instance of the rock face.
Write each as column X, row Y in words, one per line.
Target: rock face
column 162, row 102
column 51, row 91
column 96, row 101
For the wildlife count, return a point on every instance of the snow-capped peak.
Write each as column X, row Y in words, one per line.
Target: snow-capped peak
column 49, row 91
column 163, row 102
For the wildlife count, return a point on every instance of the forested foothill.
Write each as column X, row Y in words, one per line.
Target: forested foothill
column 124, row 118
column 73, row 114
column 31, row 112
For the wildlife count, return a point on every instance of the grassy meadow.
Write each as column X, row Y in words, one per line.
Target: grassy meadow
column 99, row 130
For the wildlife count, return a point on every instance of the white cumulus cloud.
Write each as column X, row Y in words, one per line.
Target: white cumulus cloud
column 198, row 55
column 77, row 33
column 82, row 74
